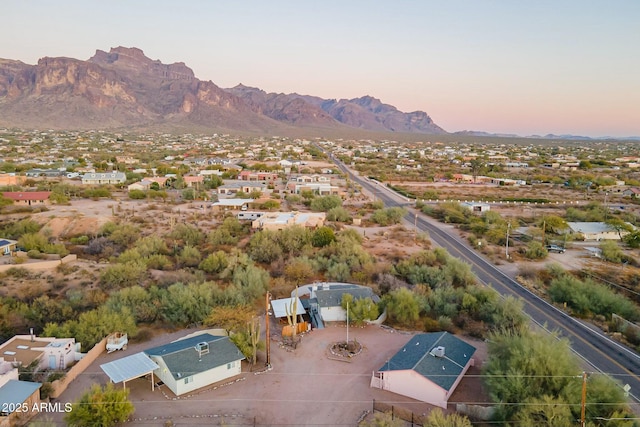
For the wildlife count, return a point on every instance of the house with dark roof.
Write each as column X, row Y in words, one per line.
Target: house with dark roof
column 7, row 246
column 325, row 300
column 428, row 368
column 195, row 362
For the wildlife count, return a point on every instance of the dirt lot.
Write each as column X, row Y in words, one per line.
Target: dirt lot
column 305, row 387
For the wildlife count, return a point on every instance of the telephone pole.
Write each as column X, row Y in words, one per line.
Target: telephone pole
column 267, row 321
column 506, row 250
column 584, row 400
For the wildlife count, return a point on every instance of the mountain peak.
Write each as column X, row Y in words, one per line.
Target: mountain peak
column 122, row 87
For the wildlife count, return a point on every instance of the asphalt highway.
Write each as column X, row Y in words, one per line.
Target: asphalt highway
column 588, row 342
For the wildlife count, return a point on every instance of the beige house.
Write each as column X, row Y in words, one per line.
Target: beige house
column 97, row 178
column 280, row 220
column 7, row 179
column 49, row 353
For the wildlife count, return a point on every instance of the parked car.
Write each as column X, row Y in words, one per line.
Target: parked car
column 555, row 248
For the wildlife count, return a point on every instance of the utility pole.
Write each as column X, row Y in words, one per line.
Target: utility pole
column 267, row 321
column 347, row 323
column 506, row 250
column 584, row 400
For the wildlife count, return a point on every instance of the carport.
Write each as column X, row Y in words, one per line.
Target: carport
column 129, row 368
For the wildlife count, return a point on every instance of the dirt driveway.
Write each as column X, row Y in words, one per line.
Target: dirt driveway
column 305, row 387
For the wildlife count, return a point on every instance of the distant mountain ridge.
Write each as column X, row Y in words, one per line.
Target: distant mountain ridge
column 124, row 88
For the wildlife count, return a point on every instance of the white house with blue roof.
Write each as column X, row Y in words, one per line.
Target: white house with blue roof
column 195, row 362
column 428, row 368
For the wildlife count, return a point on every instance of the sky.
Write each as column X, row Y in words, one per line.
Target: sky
column 522, row 67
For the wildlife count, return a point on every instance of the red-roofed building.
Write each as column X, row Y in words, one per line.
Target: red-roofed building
column 28, row 198
column 193, row 181
column 632, row 192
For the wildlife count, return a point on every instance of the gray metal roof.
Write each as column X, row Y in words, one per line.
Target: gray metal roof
column 15, row 392
column 443, row 371
column 183, row 358
column 129, row 367
column 590, row 227
column 332, row 297
column 280, row 307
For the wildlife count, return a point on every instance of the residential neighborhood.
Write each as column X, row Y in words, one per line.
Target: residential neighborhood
column 242, row 267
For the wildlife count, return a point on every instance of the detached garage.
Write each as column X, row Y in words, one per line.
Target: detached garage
column 428, row 368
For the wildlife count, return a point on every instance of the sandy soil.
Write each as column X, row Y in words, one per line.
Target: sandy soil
column 305, row 387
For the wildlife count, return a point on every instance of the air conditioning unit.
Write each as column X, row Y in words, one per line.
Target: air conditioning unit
column 438, row 351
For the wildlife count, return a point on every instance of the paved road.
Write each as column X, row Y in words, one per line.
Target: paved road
column 589, row 343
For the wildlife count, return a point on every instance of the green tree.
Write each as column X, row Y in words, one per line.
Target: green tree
column 632, row 239
column 117, row 276
column 187, row 233
column 188, row 194
column 125, row 234
column 322, row 236
column 535, row 250
column 338, row 214
column 437, row 418
column 101, row 407
column 189, row 256
column 215, row 262
column 325, row 203
column 611, row 251
column 383, row 419
column 137, row 194
column 92, row 326
column 263, row 247
column 360, row 310
column 299, row 270
column 403, row 307
column 137, row 300
column 231, row 318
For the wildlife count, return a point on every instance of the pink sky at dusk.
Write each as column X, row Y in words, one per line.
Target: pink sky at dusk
column 505, row 67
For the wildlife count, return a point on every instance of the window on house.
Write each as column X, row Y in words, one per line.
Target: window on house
column 228, row 365
column 188, row 380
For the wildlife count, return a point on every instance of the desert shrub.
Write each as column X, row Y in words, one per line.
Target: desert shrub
column 187, row 233
column 588, row 297
column 388, row 216
column 325, row 203
column 100, row 246
column 123, row 275
column 338, row 214
column 137, row 194
column 80, row 240
column 535, row 250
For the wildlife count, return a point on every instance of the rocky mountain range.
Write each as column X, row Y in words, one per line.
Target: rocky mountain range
column 123, row 88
